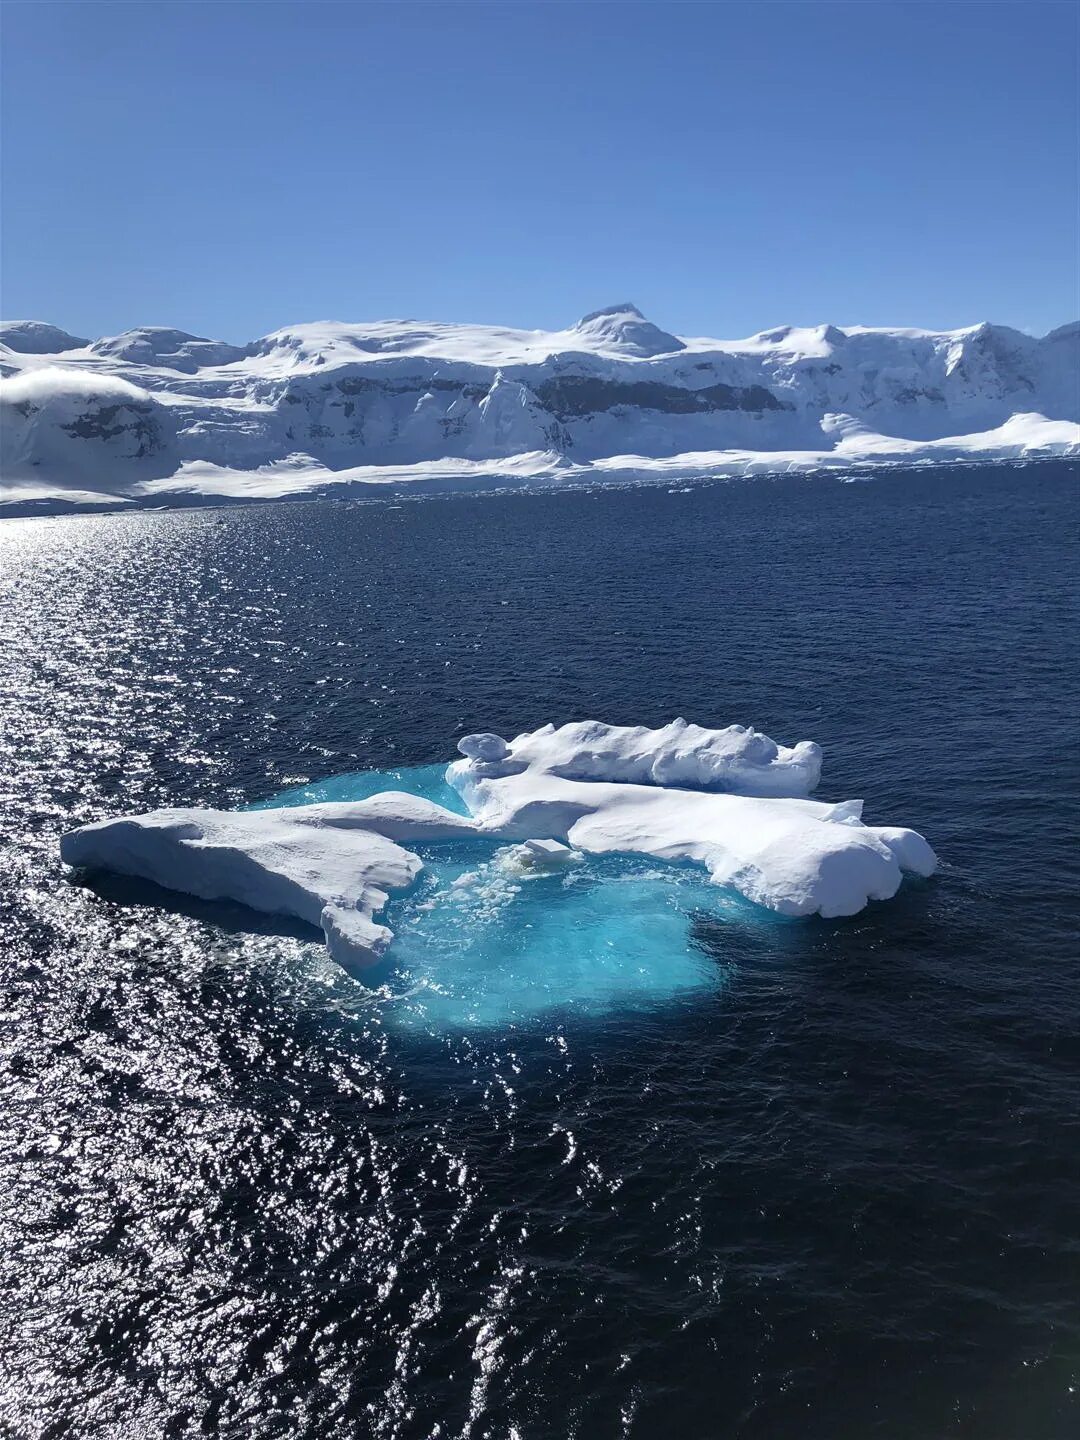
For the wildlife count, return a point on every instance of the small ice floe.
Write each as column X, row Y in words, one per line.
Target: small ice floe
column 538, row 857
column 331, row 865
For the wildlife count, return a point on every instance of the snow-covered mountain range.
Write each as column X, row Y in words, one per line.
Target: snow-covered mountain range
column 157, row 416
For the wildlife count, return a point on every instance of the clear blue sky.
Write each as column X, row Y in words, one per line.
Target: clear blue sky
column 229, row 168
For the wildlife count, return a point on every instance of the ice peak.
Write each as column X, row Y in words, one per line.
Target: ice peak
column 624, row 309
column 623, row 328
column 161, row 345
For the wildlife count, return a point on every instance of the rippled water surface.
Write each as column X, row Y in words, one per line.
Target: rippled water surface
column 827, row 1187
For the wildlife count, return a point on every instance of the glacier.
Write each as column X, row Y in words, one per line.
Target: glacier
column 729, row 802
column 157, row 416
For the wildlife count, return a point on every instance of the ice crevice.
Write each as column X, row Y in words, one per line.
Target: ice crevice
column 731, row 800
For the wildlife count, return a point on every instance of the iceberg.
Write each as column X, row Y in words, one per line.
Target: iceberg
column 679, row 755
column 731, row 801
column 332, row 866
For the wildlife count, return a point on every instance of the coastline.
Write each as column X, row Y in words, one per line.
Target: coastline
column 198, row 486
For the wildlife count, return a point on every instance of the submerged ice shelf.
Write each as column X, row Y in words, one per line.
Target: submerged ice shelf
column 490, row 936
column 481, row 941
column 728, row 806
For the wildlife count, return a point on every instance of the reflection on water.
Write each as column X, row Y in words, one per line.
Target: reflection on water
column 724, row 1176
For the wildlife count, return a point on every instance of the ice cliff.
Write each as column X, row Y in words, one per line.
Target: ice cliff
column 613, row 396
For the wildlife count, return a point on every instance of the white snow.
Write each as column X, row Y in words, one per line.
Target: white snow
column 585, row 787
column 330, row 865
column 736, row 759
column 792, row 855
column 65, row 431
column 159, row 346
column 34, row 337
column 484, row 746
column 332, row 406
column 622, row 329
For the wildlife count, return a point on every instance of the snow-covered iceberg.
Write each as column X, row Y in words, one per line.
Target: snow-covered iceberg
column 347, row 408
column 678, row 755
column 332, row 866
column 726, row 799
column 730, row 800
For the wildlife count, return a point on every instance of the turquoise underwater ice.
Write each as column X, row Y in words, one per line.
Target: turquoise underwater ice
column 478, row 945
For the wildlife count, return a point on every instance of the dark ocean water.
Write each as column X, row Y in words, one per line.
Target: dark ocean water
column 836, row 1195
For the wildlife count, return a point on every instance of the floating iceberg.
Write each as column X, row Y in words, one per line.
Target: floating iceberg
column 731, row 800
column 678, row 755
column 332, row 866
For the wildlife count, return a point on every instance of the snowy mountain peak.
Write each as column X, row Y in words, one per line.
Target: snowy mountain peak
column 170, row 349
column 611, row 310
column 623, row 328
column 805, row 340
column 35, row 337
column 154, row 411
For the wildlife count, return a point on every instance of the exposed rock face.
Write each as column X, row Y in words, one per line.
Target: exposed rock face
column 134, row 421
column 571, row 396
